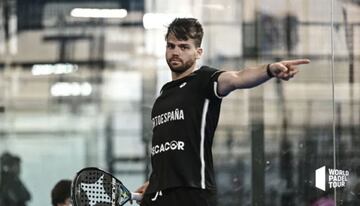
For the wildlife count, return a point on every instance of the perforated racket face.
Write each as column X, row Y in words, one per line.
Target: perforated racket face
column 94, row 187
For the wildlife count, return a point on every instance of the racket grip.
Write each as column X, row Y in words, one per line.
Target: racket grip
column 136, row 196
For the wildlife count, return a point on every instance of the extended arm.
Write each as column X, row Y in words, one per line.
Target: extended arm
column 253, row 76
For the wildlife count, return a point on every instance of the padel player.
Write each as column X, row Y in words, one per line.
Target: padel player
column 185, row 116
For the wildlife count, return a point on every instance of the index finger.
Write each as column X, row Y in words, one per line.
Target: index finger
column 296, row 62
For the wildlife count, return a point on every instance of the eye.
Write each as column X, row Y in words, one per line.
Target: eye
column 183, row 47
column 170, row 46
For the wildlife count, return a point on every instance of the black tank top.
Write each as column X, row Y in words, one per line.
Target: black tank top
column 184, row 117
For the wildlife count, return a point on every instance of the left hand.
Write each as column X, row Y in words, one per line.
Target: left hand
column 141, row 190
column 287, row 69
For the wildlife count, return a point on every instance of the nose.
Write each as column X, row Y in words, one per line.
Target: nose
column 176, row 51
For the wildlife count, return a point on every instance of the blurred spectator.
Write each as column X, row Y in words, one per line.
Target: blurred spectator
column 61, row 193
column 12, row 191
column 326, row 199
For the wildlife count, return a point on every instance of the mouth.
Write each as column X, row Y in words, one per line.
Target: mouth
column 175, row 60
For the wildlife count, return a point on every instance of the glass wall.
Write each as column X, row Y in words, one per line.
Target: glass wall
column 77, row 91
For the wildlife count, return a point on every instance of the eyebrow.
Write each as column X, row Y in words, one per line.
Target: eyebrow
column 181, row 44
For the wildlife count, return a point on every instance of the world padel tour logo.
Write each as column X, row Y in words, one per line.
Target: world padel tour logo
column 336, row 178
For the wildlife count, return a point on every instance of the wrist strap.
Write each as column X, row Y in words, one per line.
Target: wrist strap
column 269, row 72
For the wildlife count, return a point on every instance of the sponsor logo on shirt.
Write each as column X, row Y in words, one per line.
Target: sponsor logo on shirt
column 167, row 146
column 177, row 114
column 182, row 85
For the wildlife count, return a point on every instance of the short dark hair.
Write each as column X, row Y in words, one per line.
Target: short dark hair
column 60, row 192
column 185, row 28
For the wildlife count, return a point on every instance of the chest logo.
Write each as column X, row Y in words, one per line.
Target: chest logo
column 183, row 85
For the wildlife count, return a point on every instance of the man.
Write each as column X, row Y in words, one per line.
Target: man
column 13, row 192
column 61, row 193
column 185, row 116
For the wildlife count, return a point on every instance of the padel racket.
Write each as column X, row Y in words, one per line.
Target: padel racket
column 95, row 187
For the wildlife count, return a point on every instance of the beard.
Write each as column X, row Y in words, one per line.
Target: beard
column 179, row 66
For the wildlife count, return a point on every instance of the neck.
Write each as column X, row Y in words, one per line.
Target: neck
column 176, row 76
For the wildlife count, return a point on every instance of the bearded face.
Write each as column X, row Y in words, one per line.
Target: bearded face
column 179, row 65
column 181, row 55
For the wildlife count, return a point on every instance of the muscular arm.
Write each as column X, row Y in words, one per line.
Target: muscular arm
column 253, row 76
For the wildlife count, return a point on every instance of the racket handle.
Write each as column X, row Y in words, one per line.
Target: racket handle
column 136, row 196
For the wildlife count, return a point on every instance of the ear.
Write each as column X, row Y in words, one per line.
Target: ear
column 199, row 52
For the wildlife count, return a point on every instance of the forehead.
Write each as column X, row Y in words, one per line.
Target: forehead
column 173, row 40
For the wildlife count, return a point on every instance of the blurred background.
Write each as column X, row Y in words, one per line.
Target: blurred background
column 77, row 87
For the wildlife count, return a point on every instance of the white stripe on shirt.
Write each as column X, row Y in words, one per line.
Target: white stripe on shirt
column 215, row 91
column 202, row 142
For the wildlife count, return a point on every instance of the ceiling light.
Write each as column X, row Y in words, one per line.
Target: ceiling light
column 48, row 69
column 66, row 89
column 98, row 13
